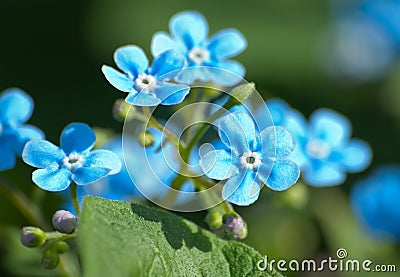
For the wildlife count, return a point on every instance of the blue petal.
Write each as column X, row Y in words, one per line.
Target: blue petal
column 356, row 156
column 167, row 65
column 330, row 126
column 105, row 159
column 77, row 137
column 264, row 170
column 87, row 175
column 190, row 27
column 52, row 178
column 162, row 42
column 25, row 134
column 15, row 107
column 283, row 175
column 41, row 153
column 226, row 44
column 226, row 73
column 171, row 94
column 131, row 59
column 241, row 189
column 279, row 110
column 8, row 159
column 277, row 142
column 218, row 165
column 189, row 74
column 118, row 80
column 324, row 175
column 142, row 99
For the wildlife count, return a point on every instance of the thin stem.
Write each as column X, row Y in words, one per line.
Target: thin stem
column 74, row 197
column 22, row 203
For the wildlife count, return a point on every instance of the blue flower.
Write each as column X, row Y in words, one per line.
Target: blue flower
column 207, row 59
column 375, row 202
column 324, row 150
column 73, row 161
column 15, row 109
column 252, row 159
column 147, row 86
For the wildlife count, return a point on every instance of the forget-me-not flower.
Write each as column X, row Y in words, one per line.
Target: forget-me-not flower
column 15, row 109
column 375, row 201
column 72, row 161
column 325, row 150
column 147, row 86
column 251, row 159
column 207, row 58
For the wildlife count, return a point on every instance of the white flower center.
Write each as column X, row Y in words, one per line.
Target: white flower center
column 318, row 149
column 250, row 160
column 199, row 55
column 73, row 161
column 145, row 82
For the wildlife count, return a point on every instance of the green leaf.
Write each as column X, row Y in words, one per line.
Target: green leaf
column 134, row 240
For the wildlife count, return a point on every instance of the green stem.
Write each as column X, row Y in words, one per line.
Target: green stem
column 74, row 197
column 22, row 203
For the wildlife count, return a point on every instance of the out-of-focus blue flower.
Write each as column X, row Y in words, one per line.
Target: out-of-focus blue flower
column 325, row 150
column 252, row 159
column 16, row 108
column 147, row 86
column 207, row 59
column 73, row 161
column 375, row 202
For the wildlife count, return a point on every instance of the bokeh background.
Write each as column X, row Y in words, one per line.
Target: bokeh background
column 312, row 53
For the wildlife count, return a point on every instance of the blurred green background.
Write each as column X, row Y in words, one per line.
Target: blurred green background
column 54, row 50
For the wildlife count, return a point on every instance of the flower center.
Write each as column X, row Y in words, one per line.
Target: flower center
column 144, row 82
column 250, row 160
column 73, row 161
column 318, row 149
column 199, row 55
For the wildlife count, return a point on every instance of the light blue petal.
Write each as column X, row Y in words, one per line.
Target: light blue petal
column 171, row 94
column 324, row 175
column 25, row 134
column 218, row 165
column 296, row 123
column 298, row 156
column 52, row 178
column 15, row 107
column 264, row 170
column 167, row 65
column 277, row 142
column 189, row 74
column 278, row 110
column 41, row 153
column 284, row 174
column 226, row 73
column 77, row 137
column 356, row 156
column 7, row 157
column 226, row 44
column 162, row 42
column 105, row 159
column 142, row 99
column 330, row 126
column 118, row 80
column 87, row 175
column 241, row 190
column 189, row 27
column 131, row 59
column 237, row 131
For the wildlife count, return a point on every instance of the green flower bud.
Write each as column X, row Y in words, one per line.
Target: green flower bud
column 145, row 139
column 50, row 259
column 122, row 110
column 64, row 221
column 214, row 220
column 32, row 237
column 61, row 247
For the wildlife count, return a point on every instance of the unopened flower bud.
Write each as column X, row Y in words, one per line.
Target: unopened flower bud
column 62, row 247
column 32, row 237
column 235, row 227
column 122, row 110
column 214, row 220
column 50, row 259
column 64, row 222
column 146, row 139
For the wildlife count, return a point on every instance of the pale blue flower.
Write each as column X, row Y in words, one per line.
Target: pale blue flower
column 375, row 202
column 72, row 162
column 207, row 58
column 251, row 159
column 147, row 86
column 16, row 108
